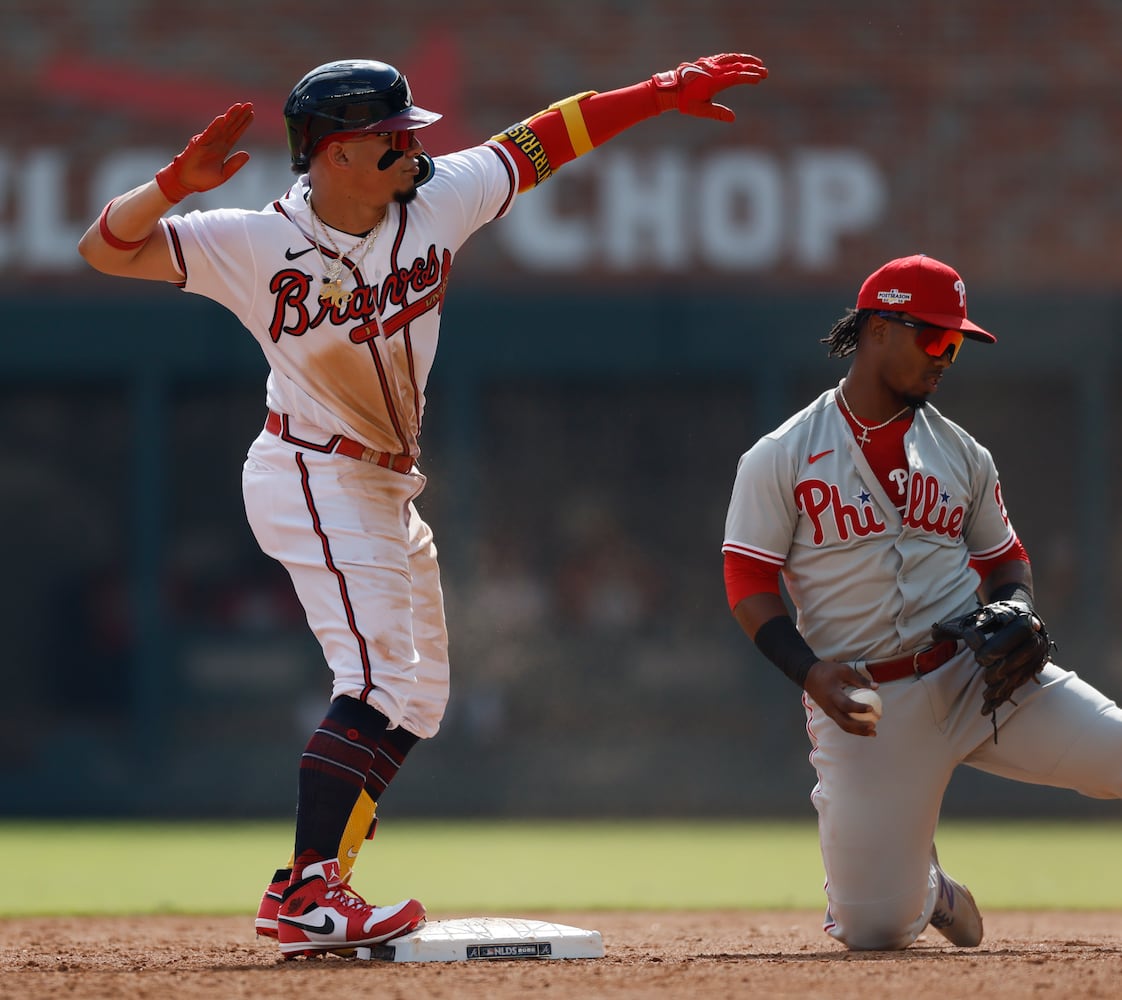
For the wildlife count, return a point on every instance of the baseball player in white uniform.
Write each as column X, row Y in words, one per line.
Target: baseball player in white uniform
column 342, row 281
column 883, row 517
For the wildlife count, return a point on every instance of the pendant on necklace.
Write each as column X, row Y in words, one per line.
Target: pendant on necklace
column 332, row 291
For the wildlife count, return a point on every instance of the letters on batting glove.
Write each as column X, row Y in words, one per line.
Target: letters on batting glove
column 691, row 87
column 1010, row 644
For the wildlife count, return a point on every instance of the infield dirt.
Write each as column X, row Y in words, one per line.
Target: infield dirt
column 648, row 955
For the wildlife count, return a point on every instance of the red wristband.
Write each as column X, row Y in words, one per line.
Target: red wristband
column 173, row 188
column 666, row 88
column 115, row 241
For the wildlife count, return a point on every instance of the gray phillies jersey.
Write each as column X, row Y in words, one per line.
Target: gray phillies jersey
column 868, row 580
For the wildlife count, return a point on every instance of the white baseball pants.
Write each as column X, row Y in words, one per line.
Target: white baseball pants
column 364, row 567
column 878, row 799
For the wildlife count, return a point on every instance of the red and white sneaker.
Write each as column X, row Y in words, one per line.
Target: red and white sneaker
column 266, row 922
column 319, row 912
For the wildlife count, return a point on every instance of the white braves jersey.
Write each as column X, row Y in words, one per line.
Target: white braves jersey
column 868, row 580
column 359, row 369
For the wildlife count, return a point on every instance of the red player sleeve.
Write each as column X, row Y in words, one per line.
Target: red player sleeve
column 745, row 576
column 984, row 567
column 573, row 127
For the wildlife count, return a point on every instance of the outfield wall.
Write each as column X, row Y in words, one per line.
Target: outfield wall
column 579, row 474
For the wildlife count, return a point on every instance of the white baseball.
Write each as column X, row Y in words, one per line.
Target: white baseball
column 867, row 696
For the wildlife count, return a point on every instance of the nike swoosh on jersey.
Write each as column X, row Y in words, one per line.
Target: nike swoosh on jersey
column 327, row 927
column 822, row 454
column 291, row 254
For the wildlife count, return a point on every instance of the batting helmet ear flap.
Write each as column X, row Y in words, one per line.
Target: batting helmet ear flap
column 428, row 168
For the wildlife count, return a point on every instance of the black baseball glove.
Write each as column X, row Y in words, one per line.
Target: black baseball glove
column 1010, row 643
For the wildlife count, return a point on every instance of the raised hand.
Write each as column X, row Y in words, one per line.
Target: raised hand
column 207, row 160
column 691, row 87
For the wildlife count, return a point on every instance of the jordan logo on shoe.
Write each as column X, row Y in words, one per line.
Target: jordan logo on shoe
column 327, row 927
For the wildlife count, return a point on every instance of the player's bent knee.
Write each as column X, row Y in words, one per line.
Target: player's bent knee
column 873, row 938
column 872, row 927
column 878, row 940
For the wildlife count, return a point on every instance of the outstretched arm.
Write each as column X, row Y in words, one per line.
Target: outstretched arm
column 578, row 124
column 120, row 241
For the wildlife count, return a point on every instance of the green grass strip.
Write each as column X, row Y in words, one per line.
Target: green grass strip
column 515, row 867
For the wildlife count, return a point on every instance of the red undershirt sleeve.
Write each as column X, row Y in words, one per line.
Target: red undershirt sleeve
column 983, row 567
column 745, row 576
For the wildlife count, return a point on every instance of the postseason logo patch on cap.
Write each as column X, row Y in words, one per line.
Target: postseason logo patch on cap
column 936, row 296
column 894, row 297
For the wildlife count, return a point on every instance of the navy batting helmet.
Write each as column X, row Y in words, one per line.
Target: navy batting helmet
column 349, row 95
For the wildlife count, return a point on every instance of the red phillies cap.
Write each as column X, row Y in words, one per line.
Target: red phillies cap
column 924, row 288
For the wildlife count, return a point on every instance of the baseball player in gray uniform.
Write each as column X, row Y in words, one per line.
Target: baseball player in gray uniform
column 342, row 281
column 885, row 518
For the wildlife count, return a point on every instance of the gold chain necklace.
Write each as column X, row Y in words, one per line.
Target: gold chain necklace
column 332, row 288
column 866, row 429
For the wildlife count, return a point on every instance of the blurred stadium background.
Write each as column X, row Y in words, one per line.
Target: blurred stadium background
column 608, row 352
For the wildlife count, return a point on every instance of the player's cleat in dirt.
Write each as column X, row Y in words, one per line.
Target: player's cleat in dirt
column 266, row 922
column 320, row 913
column 956, row 915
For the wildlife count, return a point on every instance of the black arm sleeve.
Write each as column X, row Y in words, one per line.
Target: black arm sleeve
column 1012, row 592
column 780, row 642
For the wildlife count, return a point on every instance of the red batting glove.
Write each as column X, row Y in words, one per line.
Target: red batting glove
column 690, row 88
column 207, row 161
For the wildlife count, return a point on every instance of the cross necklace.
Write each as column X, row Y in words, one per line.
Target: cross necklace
column 866, row 429
column 332, row 288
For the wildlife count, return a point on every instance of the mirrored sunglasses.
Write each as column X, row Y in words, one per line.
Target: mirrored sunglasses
column 401, row 141
column 933, row 340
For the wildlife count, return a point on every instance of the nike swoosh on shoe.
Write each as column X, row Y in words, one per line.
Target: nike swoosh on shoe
column 327, row 927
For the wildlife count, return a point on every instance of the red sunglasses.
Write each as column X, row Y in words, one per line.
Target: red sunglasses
column 933, row 340
column 401, row 141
